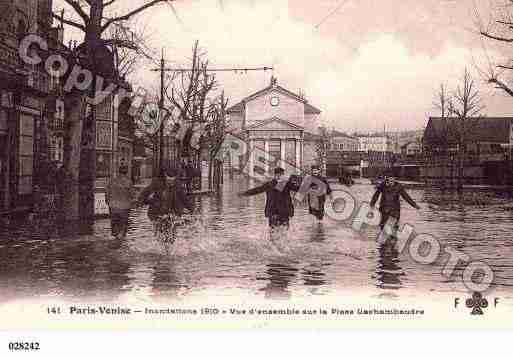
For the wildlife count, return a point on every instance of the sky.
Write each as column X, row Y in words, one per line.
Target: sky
column 365, row 63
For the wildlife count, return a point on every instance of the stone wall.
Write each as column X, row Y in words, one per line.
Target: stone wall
column 438, row 174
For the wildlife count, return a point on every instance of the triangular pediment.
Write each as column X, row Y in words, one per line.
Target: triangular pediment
column 273, row 88
column 275, row 123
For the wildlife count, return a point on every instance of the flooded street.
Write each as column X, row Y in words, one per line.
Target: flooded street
column 226, row 249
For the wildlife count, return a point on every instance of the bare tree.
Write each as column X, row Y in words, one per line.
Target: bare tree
column 466, row 107
column 92, row 18
column 191, row 94
column 130, row 47
column 216, row 132
column 498, row 29
column 439, row 146
column 146, row 127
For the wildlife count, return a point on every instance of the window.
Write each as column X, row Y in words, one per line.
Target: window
column 275, row 149
column 496, row 148
column 26, row 154
column 290, row 151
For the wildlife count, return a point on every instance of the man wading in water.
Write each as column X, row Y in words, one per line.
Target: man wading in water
column 166, row 197
column 119, row 195
column 278, row 205
column 317, row 194
column 390, row 205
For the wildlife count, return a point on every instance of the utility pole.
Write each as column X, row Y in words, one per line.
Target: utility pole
column 161, row 108
column 385, row 146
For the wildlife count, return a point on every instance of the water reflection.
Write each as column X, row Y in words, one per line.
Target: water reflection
column 313, row 275
column 164, row 280
column 388, row 270
column 318, row 233
column 278, row 276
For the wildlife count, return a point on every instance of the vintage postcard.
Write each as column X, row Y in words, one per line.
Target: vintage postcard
column 211, row 164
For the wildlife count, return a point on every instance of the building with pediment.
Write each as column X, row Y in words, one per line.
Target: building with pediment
column 278, row 122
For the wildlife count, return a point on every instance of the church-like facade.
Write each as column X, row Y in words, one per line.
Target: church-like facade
column 279, row 122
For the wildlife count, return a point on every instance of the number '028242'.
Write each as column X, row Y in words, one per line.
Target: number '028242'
column 23, row 346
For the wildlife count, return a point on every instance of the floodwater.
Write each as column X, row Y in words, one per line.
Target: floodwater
column 226, row 248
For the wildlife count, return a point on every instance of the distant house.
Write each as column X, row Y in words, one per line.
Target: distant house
column 401, row 138
column 340, row 141
column 374, row 143
column 485, row 138
column 411, row 149
column 486, row 154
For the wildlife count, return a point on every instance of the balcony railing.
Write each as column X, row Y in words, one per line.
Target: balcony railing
column 56, row 124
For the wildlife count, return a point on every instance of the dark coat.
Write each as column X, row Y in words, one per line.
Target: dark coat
column 319, row 213
column 390, row 198
column 164, row 197
column 278, row 200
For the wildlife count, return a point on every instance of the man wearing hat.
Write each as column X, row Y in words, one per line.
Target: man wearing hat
column 317, row 195
column 279, row 207
column 119, row 196
column 165, row 195
column 390, row 206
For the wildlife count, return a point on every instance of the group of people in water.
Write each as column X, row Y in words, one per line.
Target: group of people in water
column 165, row 196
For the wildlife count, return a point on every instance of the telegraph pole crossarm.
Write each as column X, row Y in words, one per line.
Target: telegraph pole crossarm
column 239, row 69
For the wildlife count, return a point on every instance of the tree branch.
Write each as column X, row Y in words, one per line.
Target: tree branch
column 504, row 22
column 501, row 86
column 131, row 13
column 122, row 43
column 498, row 38
column 76, row 6
column 69, row 22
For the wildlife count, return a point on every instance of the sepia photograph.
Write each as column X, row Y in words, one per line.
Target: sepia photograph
column 208, row 164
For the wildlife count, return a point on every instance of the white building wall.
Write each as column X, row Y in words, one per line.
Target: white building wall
column 288, row 109
column 344, row 144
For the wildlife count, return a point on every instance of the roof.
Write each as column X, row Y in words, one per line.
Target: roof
column 236, row 108
column 373, row 135
column 239, row 106
column 409, row 143
column 335, row 133
column 487, row 129
column 308, row 136
column 309, row 109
